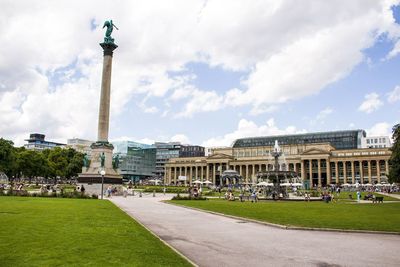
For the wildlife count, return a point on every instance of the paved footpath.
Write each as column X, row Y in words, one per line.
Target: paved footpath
column 212, row 240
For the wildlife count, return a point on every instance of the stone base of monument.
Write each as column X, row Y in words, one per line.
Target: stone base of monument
column 91, row 178
column 91, row 189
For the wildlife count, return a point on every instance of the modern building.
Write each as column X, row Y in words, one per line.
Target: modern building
column 191, row 151
column 319, row 159
column 36, row 142
column 376, row 142
column 166, row 151
column 80, row 145
column 137, row 161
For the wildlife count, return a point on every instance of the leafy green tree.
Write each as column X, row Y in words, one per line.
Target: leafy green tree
column 58, row 163
column 30, row 163
column 75, row 163
column 7, row 157
column 394, row 170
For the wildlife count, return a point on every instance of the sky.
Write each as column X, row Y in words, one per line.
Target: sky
column 199, row 72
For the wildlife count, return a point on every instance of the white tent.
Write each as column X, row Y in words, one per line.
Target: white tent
column 263, row 184
column 197, row 182
column 346, row 184
column 207, row 182
column 285, row 184
column 297, row 184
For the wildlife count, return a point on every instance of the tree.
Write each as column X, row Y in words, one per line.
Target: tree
column 394, row 170
column 7, row 157
column 75, row 163
column 57, row 162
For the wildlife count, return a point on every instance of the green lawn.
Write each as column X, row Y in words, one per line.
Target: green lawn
column 76, row 232
column 377, row 217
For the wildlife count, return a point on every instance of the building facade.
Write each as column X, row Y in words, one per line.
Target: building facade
column 37, row 141
column 165, row 151
column 317, row 163
column 170, row 150
column 80, row 145
column 376, row 142
column 136, row 161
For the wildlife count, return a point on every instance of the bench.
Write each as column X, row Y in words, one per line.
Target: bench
column 377, row 200
column 243, row 197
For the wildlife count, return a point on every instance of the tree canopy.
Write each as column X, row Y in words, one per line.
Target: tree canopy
column 50, row 163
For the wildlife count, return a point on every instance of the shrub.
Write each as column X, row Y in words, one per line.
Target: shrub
column 178, row 197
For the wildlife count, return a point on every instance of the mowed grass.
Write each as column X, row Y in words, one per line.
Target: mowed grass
column 375, row 217
column 76, row 232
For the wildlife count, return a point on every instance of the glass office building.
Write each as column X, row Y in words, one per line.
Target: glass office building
column 137, row 161
column 339, row 139
column 165, row 151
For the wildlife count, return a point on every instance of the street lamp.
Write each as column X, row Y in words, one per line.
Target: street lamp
column 102, row 172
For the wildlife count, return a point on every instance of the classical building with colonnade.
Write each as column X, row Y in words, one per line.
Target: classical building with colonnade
column 319, row 159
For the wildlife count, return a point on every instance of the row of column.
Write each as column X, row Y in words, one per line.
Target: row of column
column 318, row 172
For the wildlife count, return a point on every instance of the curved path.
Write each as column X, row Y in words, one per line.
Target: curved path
column 212, row 240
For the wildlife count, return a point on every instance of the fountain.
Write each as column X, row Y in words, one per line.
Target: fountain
column 277, row 174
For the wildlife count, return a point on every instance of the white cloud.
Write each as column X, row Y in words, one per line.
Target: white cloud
column 180, row 138
column 289, row 51
column 324, row 113
column 201, row 101
column 381, row 128
column 395, row 51
column 394, row 95
column 371, row 103
column 247, row 128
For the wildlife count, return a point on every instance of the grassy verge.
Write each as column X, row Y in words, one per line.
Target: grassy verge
column 76, row 232
column 375, row 217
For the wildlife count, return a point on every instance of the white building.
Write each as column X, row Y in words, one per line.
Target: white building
column 376, row 142
column 80, row 145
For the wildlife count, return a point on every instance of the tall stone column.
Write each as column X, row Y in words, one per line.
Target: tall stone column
column 378, row 171
column 344, row 172
column 303, row 171
column 247, row 173
column 337, row 172
column 102, row 151
column 369, row 172
column 207, row 172
column 328, row 172
column 311, row 178
column 361, row 171
column 319, row 173
column 352, row 173
column 104, row 108
column 213, row 175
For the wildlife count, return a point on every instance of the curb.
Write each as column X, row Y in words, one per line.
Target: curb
column 286, row 227
column 163, row 241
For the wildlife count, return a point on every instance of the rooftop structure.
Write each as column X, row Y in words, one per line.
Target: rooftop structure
column 36, row 142
column 376, row 142
column 350, row 139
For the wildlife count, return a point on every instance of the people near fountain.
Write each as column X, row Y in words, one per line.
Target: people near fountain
column 280, row 195
column 231, row 196
column 307, row 196
column 254, row 197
